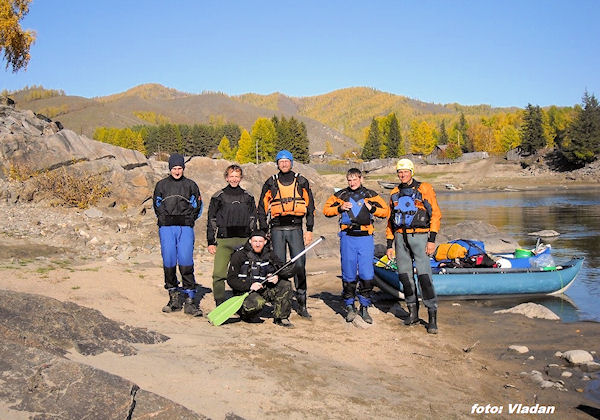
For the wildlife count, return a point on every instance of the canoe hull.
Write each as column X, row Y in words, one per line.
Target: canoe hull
column 486, row 283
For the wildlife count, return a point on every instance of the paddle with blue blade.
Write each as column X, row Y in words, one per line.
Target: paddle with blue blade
column 226, row 309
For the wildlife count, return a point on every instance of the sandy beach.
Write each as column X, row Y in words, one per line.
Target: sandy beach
column 323, row 368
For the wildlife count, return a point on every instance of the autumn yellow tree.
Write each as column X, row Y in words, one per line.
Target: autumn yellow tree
column 328, row 148
column 482, row 136
column 422, row 141
column 246, row 148
column 263, row 136
column 14, row 41
column 225, row 148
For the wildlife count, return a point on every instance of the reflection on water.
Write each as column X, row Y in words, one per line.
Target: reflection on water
column 575, row 214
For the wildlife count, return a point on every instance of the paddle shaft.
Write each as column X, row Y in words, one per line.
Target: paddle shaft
column 293, row 260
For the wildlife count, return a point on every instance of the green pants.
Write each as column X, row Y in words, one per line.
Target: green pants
column 225, row 248
column 280, row 295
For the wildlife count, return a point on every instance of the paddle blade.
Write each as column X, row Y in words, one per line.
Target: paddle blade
column 226, row 309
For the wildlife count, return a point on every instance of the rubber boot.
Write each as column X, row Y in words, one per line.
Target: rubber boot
column 350, row 313
column 174, row 303
column 413, row 314
column 192, row 308
column 432, row 325
column 283, row 322
column 364, row 313
column 302, row 311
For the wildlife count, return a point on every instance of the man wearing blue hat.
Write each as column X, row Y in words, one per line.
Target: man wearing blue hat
column 177, row 204
column 286, row 199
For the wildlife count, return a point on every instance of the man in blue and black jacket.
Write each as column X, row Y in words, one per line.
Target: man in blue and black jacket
column 177, row 204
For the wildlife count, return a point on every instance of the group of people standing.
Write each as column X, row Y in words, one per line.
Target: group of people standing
column 250, row 242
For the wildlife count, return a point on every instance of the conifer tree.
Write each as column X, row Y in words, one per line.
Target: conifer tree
column 443, row 137
column 225, row 148
column 581, row 144
column 463, row 128
column 246, row 149
column 422, row 141
column 283, row 136
column 533, row 136
column 372, row 146
column 394, row 146
column 299, row 140
column 263, row 136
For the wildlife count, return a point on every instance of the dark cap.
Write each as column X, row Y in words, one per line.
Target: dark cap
column 258, row 233
column 176, row 160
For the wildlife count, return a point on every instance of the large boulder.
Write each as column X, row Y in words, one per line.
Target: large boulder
column 530, row 310
column 33, row 143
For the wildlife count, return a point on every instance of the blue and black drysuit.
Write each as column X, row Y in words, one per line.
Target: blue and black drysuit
column 356, row 239
column 177, row 204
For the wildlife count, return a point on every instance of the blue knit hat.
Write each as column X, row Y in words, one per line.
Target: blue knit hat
column 176, row 160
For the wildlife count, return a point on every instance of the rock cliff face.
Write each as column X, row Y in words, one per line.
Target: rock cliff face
column 37, row 144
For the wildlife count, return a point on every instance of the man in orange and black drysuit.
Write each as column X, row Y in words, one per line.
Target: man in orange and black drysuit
column 414, row 222
column 286, row 199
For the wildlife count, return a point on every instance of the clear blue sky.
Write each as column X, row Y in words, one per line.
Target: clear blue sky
column 502, row 53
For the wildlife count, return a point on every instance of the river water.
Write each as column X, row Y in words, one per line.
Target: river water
column 574, row 213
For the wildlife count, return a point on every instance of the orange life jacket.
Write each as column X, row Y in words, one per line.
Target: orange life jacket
column 287, row 200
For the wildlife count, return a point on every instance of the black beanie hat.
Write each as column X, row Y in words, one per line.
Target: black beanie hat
column 258, row 233
column 176, row 160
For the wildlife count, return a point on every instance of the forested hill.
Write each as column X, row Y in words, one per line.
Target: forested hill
column 340, row 118
column 156, row 104
column 351, row 110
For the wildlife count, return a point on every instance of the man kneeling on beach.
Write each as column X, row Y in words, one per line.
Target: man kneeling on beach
column 250, row 270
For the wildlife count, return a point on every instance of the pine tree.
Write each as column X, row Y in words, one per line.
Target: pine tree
column 373, row 143
column 225, row 149
column 246, row 149
column 581, row 144
column 533, row 137
column 300, row 144
column 394, row 146
column 443, row 137
column 462, row 128
column 283, row 136
column 263, row 136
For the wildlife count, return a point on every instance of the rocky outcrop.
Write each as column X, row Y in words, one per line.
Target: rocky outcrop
column 36, row 332
column 32, row 142
column 47, row 386
column 55, row 326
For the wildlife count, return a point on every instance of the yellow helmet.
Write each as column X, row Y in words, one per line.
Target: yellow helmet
column 405, row 164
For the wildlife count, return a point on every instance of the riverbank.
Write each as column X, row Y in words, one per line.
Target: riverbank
column 323, row 368
column 108, row 258
column 491, row 174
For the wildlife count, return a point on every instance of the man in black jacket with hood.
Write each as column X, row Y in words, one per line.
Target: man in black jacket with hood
column 250, row 270
column 177, row 204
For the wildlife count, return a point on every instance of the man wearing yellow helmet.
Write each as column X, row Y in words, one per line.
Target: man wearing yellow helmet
column 412, row 227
